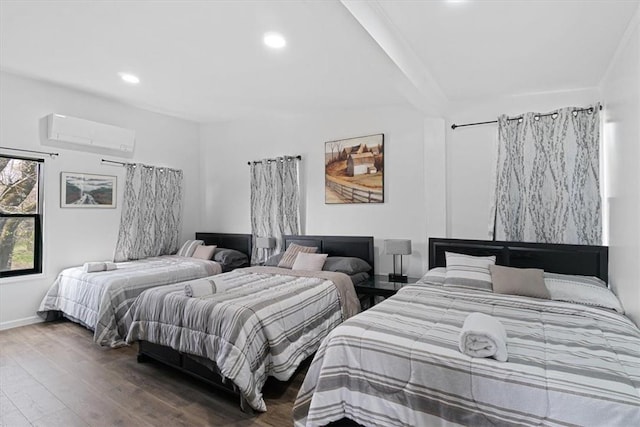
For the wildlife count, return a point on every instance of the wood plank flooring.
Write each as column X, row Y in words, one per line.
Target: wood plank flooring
column 52, row 374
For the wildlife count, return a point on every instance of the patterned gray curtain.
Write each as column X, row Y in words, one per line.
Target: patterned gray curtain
column 146, row 215
column 548, row 178
column 168, row 211
column 275, row 203
column 151, row 213
column 127, row 236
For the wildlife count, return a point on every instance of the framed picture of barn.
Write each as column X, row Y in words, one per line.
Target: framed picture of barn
column 354, row 170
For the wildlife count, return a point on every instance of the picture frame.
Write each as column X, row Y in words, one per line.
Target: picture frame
column 86, row 190
column 354, row 170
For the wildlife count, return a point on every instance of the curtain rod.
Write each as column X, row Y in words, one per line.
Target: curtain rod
column 289, row 158
column 520, row 118
column 114, row 162
column 143, row 165
column 31, row 151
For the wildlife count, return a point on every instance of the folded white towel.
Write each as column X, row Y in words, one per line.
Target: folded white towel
column 483, row 336
column 200, row 288
column 93, row 267
column 110, row 266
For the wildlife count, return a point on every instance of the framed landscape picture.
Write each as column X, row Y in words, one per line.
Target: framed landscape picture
column 354, row 170
column 84, row 190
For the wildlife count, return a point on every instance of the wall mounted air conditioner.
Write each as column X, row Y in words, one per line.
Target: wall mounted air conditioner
column 80, row 134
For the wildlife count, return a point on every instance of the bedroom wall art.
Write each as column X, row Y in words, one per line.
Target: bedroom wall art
column 84, row 190
column 354, row 170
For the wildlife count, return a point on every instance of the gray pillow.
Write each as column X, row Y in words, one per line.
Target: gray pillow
column 230, row 258
column 273, row 260
column 346, row 265
column 359, row 277
column 528, row 282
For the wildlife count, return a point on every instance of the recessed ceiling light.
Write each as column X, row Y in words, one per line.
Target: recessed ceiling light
column 129, row 78
column 274, row 40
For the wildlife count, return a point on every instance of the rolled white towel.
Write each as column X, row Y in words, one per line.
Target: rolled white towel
column 222, row 284
column 483, row 336
column 93, row 267
column 110, row 266
column 200, row 288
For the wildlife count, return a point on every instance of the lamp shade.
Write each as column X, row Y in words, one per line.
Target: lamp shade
column 397, row 247
column 265, row 242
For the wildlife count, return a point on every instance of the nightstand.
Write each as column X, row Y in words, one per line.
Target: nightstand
column 379, row 286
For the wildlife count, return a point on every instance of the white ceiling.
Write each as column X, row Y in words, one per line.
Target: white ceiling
column 205, row 61
column 480, row 48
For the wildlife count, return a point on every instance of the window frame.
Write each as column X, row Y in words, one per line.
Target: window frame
column 37, row 219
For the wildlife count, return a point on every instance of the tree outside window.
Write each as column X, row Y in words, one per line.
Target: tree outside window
column 20, row 216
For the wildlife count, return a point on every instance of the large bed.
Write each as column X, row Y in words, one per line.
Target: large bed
column 99, row 300
column 399, row 364
column 265, row 322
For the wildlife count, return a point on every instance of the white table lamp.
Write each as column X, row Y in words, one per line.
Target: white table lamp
column 265, row 242
column 397, row 247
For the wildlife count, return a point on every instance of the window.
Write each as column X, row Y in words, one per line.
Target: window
column 20, row 216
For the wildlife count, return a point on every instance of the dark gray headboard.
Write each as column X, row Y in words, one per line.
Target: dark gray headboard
column 555, row 258
column 239, row 242
column 354, row 246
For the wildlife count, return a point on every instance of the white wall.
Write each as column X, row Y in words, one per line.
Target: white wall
column 226, row 149
column 621, row 94
column 431, row 188
column 73, row 236
column 471, row 153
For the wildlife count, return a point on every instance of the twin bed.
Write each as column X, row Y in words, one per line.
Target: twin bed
column 398, row 363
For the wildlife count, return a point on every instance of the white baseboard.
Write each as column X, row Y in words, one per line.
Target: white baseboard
column 20, row 322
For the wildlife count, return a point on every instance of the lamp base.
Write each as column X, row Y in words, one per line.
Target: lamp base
column 399, row 278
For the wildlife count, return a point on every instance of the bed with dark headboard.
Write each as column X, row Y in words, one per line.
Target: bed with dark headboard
column 74, row 294
column 238, row 242
column 577, row 353
column 206, row 370
column 352, row 246
column 553, row 258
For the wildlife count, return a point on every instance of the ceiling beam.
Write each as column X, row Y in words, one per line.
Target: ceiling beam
column 418, row 85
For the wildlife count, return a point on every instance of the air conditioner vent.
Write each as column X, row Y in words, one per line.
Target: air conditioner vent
column 80, row 134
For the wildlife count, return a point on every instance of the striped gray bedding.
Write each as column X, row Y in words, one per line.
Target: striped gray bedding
column 265, row 323
column 99, row 300
column 398, row 364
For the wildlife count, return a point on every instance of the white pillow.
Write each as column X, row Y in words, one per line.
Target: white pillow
column 581, row 290
column 309, row 262
column 289, row 256
column 204, row 252
column 435, row 276
column 468, row 271
column 189, row 247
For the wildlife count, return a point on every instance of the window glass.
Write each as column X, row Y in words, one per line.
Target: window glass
column 20, row 252
column 18, row 186
column 20, row 216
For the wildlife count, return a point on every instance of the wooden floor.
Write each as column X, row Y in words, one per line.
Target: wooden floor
column 52, row 374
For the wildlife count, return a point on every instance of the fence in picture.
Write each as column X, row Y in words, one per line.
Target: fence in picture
column 354, row 194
